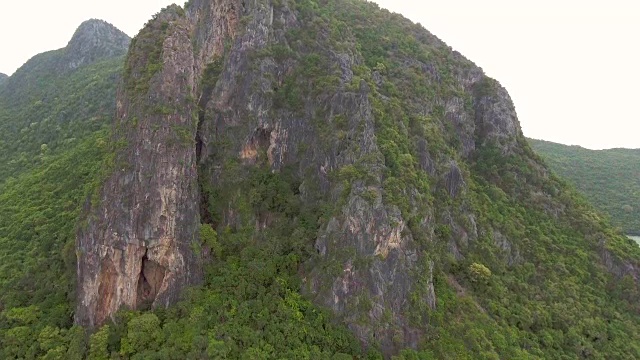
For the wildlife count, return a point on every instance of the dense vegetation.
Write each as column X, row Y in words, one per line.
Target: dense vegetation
column 250, row 306
column 38, row 214
column 44, row 111
column 531, row 285
column 610, row 179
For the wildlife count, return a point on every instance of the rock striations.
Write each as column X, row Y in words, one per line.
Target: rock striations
column 381, row 135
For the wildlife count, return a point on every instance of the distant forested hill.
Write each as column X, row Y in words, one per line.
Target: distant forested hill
column 59, row 97
column 610, row 179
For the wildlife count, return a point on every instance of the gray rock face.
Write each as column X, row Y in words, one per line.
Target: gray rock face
column 615, row 265
column 495, row 115
column 454, row 181
column 213, row 22
column 137, row 248
column 3, row 77
column 94, row 40
column 511, row 253
column 244, row 103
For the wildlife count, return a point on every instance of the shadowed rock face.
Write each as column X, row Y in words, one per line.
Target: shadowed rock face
column 454, row 180
column 94, row 40
column 137, row 249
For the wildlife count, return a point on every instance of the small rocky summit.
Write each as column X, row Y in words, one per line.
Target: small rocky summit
column 3, row 77
column 94, row 40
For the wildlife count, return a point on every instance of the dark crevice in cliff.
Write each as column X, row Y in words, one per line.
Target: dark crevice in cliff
column 210, row 78
column 149, row 282
column 205, row 214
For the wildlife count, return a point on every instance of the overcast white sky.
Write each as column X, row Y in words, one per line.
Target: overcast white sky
column 571, row 67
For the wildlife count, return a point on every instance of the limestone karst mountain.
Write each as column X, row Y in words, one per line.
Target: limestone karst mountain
column 280, row 172
column 404, row 155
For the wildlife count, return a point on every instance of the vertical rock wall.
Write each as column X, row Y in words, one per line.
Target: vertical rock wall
column 138, row 247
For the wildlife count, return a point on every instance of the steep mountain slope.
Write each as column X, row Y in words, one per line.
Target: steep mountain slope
column 338, row 125
column 38, row 213
column 60, row 96
column 312, row 165
column 610, row 179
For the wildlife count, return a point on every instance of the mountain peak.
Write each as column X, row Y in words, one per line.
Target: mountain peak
column 3, row 77
column 95, row 39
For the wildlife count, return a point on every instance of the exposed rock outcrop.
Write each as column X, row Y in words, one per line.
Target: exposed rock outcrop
column 3, row 77
column 137, row 248
column 230, row 88
column 94, row 40
column 495, row 115
column 454, row 182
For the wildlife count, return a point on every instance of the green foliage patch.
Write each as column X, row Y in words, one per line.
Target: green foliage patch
column 610, row 179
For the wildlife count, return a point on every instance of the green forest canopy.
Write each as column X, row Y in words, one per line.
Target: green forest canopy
column 609, row 179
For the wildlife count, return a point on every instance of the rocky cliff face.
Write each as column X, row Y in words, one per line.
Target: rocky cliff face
column 3, row 77
column 389, row 139
column 137, row 248
column 94, row 40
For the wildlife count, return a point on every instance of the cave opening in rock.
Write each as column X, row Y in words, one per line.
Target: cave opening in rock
column 261, row 138
column 149, row 282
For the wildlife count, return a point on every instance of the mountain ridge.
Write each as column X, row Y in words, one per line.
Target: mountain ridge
column 95, row 39
column 40, row 99
column 608, row 178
